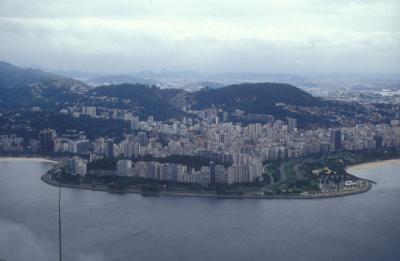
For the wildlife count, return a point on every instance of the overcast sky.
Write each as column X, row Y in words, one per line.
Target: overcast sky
column 204, row 35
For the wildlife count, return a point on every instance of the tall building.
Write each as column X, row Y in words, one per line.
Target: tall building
column 78, row 166
column 292, row 124
column 82, row 146
column 220, row 174
column 131, row 148
column 110, row 149
column 90, row 111
column 212, row 172
column 336, row 140
column 123, row 167
column 135, row 123
column 142, row 138
column 46, row 140
column 378, row 140
column 225, row 116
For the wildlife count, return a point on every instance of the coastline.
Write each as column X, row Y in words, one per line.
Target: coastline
column 359, row 166
column 34, row 159
column 371, row 164
column 48, row 180
column 368, row 185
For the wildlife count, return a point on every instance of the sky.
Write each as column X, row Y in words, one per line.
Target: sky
column 209, row 36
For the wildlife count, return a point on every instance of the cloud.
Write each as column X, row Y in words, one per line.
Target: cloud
column 153, row 32
column 113, row 35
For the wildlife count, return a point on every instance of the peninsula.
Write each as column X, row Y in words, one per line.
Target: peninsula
column 306, row 178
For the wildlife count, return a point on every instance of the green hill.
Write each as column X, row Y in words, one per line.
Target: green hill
column 20, row 87
column 254, row 98
column 12, row 76
column 147, row 100
column 24, row 88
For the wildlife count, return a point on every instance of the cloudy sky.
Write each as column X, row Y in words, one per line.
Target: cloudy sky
column 291, row 36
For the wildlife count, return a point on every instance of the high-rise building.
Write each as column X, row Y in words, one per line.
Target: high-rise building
column 123, row 167
column 142, row 138
column 81, row 146
column 78, row 166
column 110, row 149
column 131, row 148
column 225, row 116
column 212, row 172
column 46, row 140
column 336, row 140
column 220, row 174
column 378, row 140
column 135, row 123
column 90, row 111
column 292, row 124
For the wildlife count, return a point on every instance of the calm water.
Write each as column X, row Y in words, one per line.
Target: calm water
column 103, row 226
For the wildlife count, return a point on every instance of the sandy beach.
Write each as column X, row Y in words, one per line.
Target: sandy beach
column 371, row 165
column 28, row 159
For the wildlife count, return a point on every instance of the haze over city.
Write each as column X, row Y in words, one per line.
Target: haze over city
column 205, row 36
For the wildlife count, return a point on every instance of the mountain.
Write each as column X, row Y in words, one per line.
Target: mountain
column 292, row 79
column 252, row 98
column 75, row 74
column 165, row 74
column 256, row 98
column 120, row 79
column 145, row 100
column 211, row 85
column 20, row 87
column 12, row 76
column 25, row 88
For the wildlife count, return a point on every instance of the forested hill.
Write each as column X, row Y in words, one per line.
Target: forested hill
column 146, row 100
column 20, row 87
column 25, row 88
column 254, row 97
column 12, row 76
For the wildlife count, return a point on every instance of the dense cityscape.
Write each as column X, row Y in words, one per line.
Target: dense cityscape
column 250, row 139
column 236, row 153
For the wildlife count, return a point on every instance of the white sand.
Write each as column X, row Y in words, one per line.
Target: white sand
column 371, row 165
column 28, row 159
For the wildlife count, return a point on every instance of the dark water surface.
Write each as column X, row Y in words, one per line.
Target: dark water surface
column 103, row 226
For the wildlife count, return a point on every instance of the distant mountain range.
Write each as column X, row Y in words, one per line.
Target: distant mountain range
column 195, row 81
column 192, row 80
column 28, row 87
column 120, row 79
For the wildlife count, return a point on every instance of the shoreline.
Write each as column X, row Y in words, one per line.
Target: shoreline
column 45, row 178
column 56, row 161
column 34, row 159
column 371, row 164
